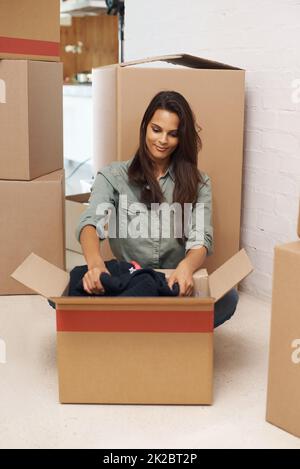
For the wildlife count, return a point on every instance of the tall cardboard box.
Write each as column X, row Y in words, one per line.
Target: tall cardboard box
column 32, row 219
column 215, row 91
column 134, row 350
column 30, row 29
column 283, row 402
column 31, row 139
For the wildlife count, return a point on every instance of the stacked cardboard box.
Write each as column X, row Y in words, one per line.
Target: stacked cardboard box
column 30, row 29
column 283, row 403
column 31, row 148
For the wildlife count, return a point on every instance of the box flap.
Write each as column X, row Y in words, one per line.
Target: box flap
column 41, row 276
column 182, row 59
column 229, row 274
column 80, row 198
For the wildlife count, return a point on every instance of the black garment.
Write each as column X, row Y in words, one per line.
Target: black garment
column 124, row 280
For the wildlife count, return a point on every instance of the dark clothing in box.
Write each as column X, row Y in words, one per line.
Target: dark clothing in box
column 124, row 280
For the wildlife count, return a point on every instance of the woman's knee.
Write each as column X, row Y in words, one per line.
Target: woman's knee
column 232, row 298
column 51, row 303
column 225, row 307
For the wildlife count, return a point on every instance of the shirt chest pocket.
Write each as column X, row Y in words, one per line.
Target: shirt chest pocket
column 133, row 219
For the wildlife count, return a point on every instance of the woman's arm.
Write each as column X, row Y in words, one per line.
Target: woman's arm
column 89, row 241
column 102, row 193
column 201, row 229
column 91, row 250
column 195, row 258
column 199, row 242
column 183, row 273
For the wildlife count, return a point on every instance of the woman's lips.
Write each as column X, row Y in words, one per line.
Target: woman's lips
column 160, row 149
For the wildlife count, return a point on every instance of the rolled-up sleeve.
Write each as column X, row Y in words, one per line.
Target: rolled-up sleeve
column 102, row 193
column 200, row 229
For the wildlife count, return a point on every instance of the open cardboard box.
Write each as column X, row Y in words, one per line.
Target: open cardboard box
column 134, row 350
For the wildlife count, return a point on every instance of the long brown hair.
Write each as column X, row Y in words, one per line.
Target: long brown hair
column 184, row 157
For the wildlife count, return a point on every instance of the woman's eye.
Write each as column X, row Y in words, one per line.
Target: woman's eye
column 175, row 135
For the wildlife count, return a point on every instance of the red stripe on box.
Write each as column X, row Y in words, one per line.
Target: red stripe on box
column 134, row 321
column 14, row 45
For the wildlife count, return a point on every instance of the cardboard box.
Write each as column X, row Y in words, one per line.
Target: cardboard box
column 30, row 29
column 283, row 403
column 134, row 350
column 215, row 91
column 32, row 215
column 75, row 206
column 298, row 229
column 31, row 138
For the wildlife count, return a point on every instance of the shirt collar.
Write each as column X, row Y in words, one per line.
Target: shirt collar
column 170, row 171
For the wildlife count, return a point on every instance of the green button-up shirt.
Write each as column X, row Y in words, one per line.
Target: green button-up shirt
column 136, row 233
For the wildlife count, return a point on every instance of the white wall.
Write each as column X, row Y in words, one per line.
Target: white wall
column 263, row 37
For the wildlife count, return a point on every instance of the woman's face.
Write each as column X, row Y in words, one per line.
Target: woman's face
column 162, row 134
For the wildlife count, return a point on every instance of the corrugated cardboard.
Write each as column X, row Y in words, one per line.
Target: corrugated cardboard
column 283, row 403
column 215, row 91
column 32, row 215
column 132, row 350
column 75, row 206
column 29, row 29
column 31, row 139
column 298, row 229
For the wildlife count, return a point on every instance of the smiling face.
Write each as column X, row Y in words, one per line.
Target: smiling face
column 162, row 134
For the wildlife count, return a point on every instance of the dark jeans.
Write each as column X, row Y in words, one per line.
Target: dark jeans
column 225, row 307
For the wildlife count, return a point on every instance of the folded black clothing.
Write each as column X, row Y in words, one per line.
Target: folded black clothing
column 124, row 280
column 115, row 268
column 142, row 282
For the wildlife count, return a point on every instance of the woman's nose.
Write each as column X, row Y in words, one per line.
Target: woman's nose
column 163, row 138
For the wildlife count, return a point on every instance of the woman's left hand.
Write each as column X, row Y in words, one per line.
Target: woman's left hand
column 184, row 277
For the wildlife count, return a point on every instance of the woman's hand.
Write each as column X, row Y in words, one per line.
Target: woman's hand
column 91, row 280
column 183, row 275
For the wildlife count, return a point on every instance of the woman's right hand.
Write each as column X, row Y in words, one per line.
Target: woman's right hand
column 91, row 280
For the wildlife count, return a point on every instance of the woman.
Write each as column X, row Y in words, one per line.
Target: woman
column 162, row 173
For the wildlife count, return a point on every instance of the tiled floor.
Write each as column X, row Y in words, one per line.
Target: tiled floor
column 31, row 416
